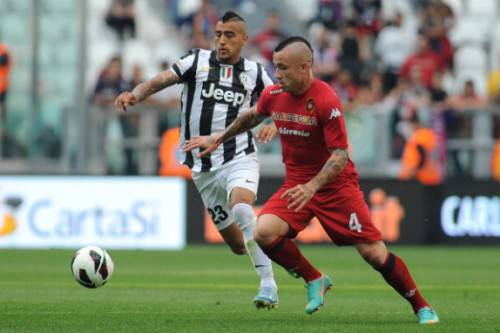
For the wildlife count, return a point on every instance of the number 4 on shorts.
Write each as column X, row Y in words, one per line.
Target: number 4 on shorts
column 354, row 223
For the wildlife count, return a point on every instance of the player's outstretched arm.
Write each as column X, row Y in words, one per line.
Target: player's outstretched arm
column 244, row 122
column 299, row 195
column 146, row 89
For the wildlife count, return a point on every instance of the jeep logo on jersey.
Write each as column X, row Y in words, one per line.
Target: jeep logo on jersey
column 223, row 94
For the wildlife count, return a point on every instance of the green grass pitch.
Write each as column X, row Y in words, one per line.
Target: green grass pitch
column 208, row 289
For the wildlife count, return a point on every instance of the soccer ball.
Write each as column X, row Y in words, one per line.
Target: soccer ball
column 92, row 266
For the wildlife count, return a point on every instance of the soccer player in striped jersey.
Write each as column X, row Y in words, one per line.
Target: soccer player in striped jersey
column 219, row 84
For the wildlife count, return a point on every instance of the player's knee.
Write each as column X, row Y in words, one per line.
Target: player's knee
column 371, row 258
column 374, row 255
column 241, row 196
column 258, row 235
column 260, row 232
column 263, row 235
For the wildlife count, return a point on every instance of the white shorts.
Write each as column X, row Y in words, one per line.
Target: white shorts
column 216, row 186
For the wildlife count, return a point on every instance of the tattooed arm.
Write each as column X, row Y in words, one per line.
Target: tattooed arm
column 332, row 168
column 159, row 82
column 244, row 122
column 299, row 195
column 146, row 89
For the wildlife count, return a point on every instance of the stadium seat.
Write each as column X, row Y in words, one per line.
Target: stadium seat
column 478, row 78
column 188, row 7
column 135, row 52
column 58, row 28
column 66, row 54
column 449, row 82
column 15, row 6
column 165, row 51
column 410, row 20
column 98, row 8
column 99, row 53
column 18, row 115
column 96, row 26
column 17, row 27
column 456, row 6
column 363, row 135
column 22, row 80
column 62, row 81
column 470, row 30
column 46, row 56
column 482, row 8
column 471, row 58
column 51, row 113
column 58, row 7
column 495, row 48
column 305, row 9
column 483, row 13
column 150, row 27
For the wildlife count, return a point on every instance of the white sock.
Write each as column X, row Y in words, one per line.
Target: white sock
column 245, row 217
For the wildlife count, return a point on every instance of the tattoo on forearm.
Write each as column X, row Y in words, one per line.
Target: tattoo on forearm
column 159, row 82
column 244, row 122
column 332, row 168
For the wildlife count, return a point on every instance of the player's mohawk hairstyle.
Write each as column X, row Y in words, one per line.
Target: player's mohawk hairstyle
column 231, row 16
column 293, row 39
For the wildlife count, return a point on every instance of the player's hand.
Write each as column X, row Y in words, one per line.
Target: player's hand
column 298, row 196
column 207, row 144
column 124, row 100
column 266, row 133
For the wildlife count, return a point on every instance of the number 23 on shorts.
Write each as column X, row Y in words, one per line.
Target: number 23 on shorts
column 218, row 214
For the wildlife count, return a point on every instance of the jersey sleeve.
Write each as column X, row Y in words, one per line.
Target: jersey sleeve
column 262, row 81
column 266, row 79
column 186, row 65
column 263, row 103
column 331, row 117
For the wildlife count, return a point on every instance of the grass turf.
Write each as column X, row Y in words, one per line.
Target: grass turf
column 207, row 289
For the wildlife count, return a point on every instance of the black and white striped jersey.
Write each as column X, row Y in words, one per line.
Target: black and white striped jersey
column 213, row 95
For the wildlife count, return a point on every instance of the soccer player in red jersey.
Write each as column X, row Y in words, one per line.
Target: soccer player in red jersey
column 320, row 180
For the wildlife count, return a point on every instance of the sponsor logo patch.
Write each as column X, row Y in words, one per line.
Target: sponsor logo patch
column 288, row 131
column 223, row 94
column 335, row 113
column 295, row 118
column 226, row 72
column 310, row 105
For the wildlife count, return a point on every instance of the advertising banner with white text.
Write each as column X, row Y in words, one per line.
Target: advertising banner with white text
column 112, row 212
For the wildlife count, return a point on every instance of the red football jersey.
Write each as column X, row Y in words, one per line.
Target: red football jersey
column 309, row 125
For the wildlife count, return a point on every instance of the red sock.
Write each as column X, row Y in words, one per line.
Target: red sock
column 285, row 253
column 396, row 274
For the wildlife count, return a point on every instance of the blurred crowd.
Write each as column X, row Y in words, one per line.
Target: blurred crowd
column 406, row 71
column 401, row 65
column 110, row 83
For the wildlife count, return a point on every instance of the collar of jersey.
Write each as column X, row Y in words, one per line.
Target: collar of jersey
column 240, row 65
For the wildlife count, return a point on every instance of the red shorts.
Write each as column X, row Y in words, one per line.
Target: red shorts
column 342, row 212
